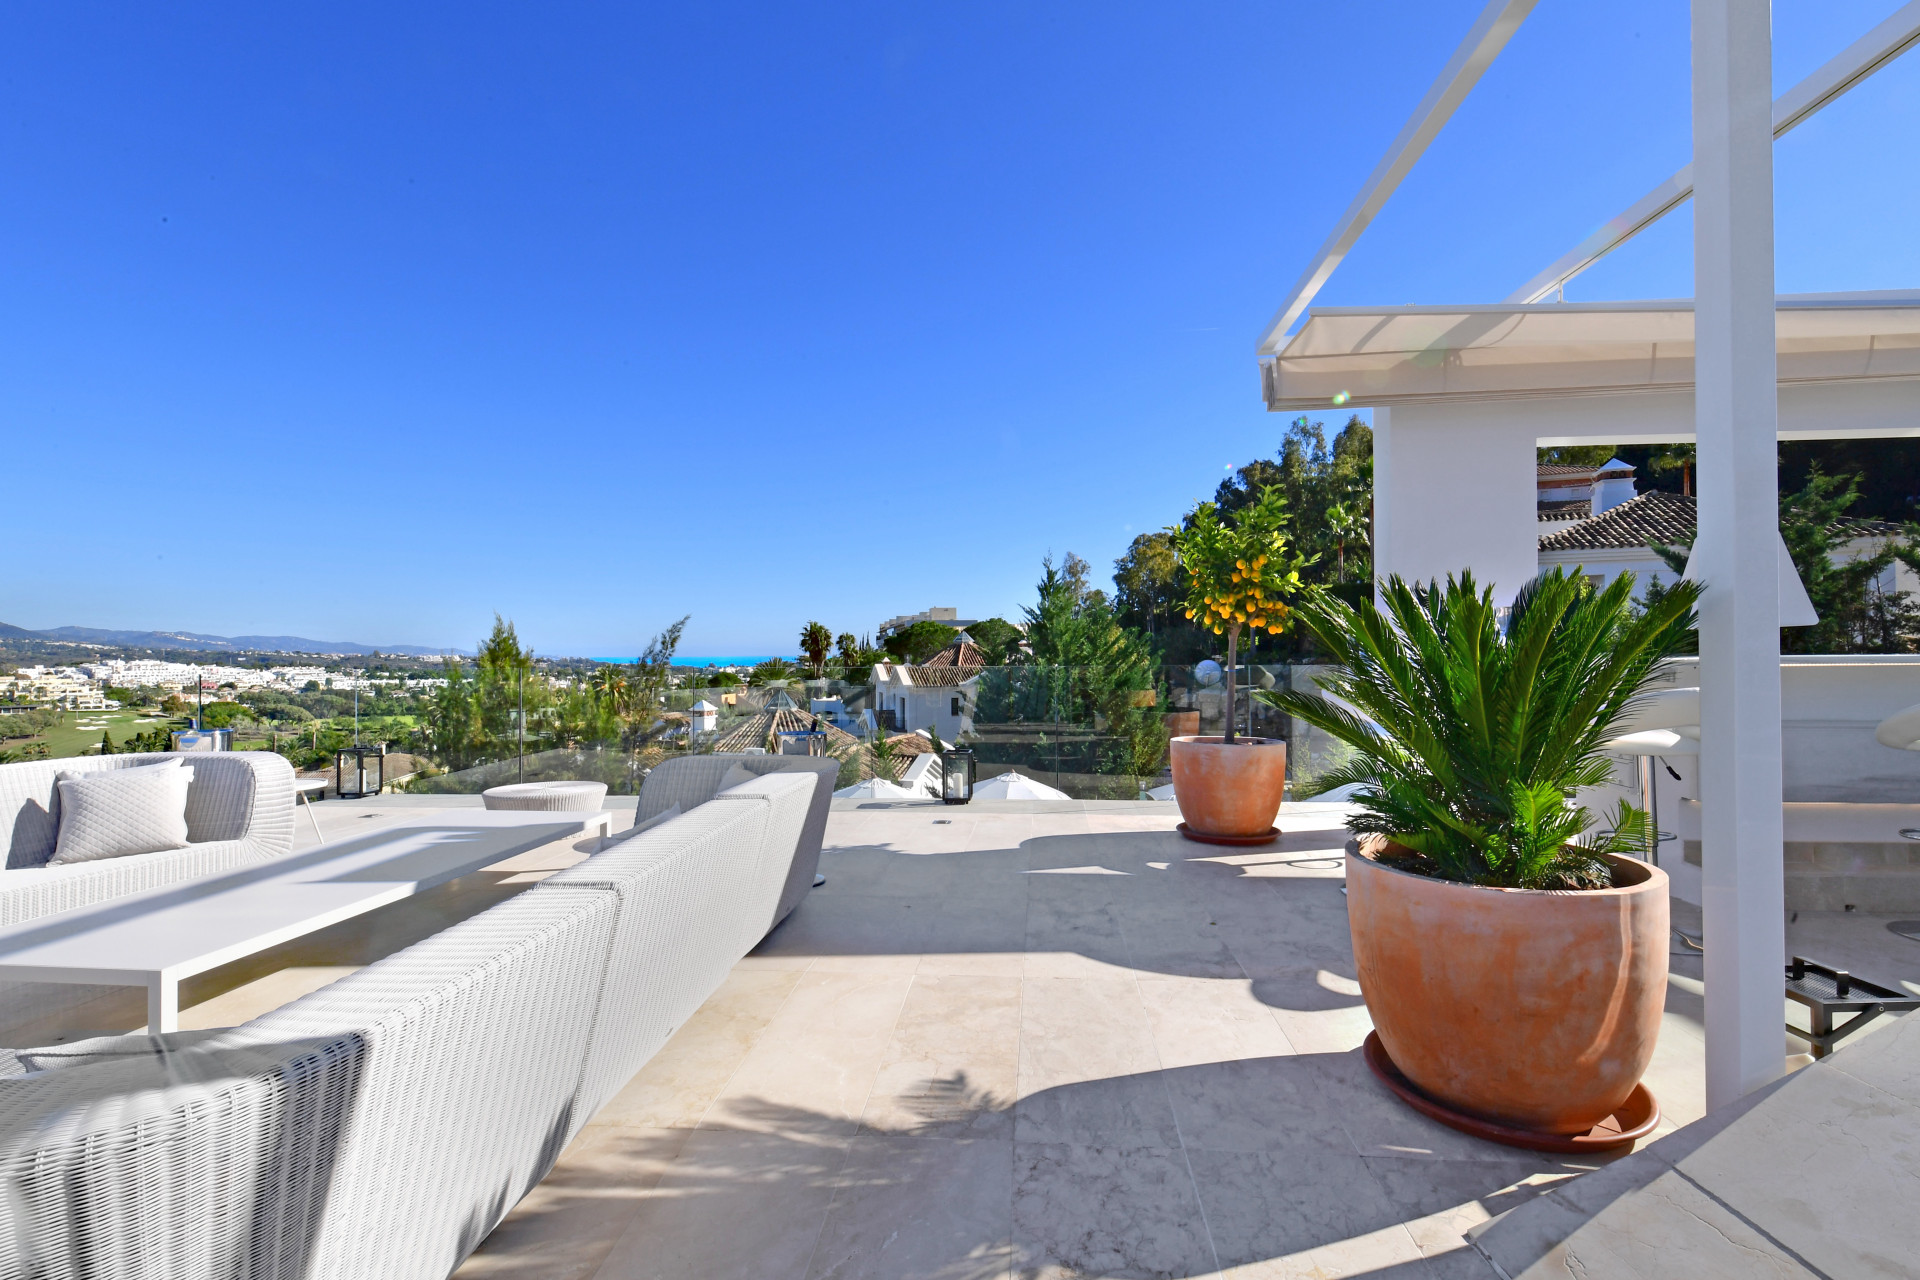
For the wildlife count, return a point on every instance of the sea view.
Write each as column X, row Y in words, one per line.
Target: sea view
column 723, row 661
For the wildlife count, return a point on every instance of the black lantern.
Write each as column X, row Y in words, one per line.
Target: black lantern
column 956, row 775
column 364, row 765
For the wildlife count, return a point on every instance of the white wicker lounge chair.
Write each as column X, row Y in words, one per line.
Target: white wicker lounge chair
column 239, row 812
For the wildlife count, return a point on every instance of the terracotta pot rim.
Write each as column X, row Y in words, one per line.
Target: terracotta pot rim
column 1655, row 878
column 1216, row 740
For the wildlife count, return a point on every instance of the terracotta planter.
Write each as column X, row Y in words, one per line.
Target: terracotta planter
column 1537, row 1009
column 1229, row 790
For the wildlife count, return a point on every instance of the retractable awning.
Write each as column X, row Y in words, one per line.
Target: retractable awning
column 1408, row 355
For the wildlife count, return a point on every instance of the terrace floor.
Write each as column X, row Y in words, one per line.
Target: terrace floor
column 1052, row 1040
column 1013, row 1039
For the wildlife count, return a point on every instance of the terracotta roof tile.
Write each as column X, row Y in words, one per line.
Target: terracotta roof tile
column 964, row 654
column 1656, row 516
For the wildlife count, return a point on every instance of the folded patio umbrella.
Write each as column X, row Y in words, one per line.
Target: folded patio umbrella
column 1016, row 786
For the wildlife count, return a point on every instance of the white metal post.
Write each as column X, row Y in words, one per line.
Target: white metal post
column 1736, row 411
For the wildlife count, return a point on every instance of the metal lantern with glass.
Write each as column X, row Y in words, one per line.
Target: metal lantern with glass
column 359, row 772
column 956, row 775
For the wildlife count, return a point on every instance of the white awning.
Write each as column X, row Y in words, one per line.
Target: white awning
column 1402, row 355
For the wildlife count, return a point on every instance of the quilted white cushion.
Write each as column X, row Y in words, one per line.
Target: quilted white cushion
column 736, row 775
column 121, row 811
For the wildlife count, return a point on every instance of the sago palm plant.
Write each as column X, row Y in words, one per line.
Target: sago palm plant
column 1471, row 738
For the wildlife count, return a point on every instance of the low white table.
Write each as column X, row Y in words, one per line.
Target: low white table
column 156, row 938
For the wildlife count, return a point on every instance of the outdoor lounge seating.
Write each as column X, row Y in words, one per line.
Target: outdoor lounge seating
column 239, row 812
column 693, row 780
column 381, row 1126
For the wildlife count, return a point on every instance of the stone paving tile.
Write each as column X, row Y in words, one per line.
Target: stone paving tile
column 566, row 1226
column 952, row 1067
column 814, row 1067
column 1097, row 1211
column 732, row 1206
column 678, row 1086
column 1196, row 1021
column 939, row 1208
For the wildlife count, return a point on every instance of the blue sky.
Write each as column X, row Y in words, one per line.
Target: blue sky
column 364, row 322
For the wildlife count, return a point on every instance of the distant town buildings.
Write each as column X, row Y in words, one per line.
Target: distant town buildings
column 945, row 617
column 82, row 688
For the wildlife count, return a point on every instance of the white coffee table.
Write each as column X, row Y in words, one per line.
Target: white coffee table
column 156, row 938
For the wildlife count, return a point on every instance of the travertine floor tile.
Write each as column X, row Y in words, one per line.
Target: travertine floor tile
column 567, row 1226
column 1096, row 1211
column 814, row 1068
column 1089, row 1072
column 952, row 1067
column 732, row 1206
column 928, row 1208
column 678, row 1086
column 1196, row 1020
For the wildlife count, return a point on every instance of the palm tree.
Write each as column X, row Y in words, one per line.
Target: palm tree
column 1471, row 739
column 611, row 682
column 816, row 642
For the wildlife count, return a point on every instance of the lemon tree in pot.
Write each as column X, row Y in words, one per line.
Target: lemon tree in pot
column 1512, row 958
column 1239, row 573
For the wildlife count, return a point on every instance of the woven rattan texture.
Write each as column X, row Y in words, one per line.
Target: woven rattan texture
column 693, row 780
column 239, row 812
column 683, row 888
column 379, row 1128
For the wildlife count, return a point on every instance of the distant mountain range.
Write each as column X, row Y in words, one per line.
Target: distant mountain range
column 213, row 644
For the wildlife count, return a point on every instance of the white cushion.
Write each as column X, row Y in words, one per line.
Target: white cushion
column 117, row 812
column 736, row 775
column 648, row 824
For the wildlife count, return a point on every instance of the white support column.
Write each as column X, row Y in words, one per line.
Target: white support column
column 1736, row 410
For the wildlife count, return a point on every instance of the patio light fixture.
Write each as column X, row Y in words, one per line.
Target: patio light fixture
column 956, row 775
column 353, row 762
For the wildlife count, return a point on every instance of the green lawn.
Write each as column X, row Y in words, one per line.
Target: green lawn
column 78, row 733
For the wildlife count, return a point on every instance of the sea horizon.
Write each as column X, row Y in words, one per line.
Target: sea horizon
column 748, row 660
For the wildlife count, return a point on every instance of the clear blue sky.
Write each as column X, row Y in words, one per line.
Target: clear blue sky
column 365, row 321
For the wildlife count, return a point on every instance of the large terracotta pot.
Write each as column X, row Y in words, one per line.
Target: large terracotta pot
column 1535, row 1008
column 1229, row 790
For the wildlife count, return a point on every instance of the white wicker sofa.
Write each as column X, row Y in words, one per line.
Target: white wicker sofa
column 692, row 780
column 239, row 812
column 381, row 1127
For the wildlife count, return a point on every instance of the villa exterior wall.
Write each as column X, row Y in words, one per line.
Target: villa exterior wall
column 1455, row 484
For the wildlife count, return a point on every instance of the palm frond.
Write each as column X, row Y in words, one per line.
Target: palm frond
column 1471, row 737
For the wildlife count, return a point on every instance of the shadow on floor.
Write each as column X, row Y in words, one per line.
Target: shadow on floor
column 1147, row 901
column 1170, row 1173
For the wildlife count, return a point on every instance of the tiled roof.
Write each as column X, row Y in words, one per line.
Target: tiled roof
column 1577, row 510
column 754, row 730
column 1554, row 471
column 1655, row 517
column 1866, row 529
column 1667, row 519
column 931, row 677
column 964, row 654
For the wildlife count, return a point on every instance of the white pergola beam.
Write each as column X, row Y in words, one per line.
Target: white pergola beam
column 1736, row 415
column 1496, row 25
column 1840, row 73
